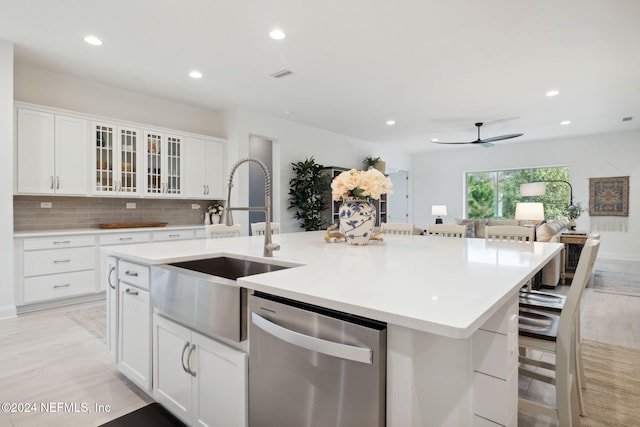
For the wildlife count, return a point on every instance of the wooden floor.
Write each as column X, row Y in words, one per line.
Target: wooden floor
column 46, row 357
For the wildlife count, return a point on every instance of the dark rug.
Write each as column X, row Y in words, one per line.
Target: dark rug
column 152, row 415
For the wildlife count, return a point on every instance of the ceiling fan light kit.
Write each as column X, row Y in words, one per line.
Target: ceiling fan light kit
column 487, row 142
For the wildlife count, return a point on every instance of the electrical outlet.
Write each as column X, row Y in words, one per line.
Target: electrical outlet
column 46, row 205
column 131, row 205
column 195, row 206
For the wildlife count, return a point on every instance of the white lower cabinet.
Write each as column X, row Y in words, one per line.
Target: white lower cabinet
column 201, row 381
column 134, row 334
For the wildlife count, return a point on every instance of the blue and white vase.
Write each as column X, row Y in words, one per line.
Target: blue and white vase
column 357, row 219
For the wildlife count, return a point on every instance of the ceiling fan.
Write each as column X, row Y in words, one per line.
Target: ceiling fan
column 487, row 142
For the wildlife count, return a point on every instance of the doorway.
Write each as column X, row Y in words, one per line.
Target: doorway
column 262, row 149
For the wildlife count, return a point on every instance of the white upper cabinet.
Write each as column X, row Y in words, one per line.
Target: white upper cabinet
column 116, row 159
column 163, row 164
column 205, row 169
column 52, row 153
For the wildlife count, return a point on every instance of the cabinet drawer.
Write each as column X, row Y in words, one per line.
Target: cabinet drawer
column 159, row 236
column 124, row 238
column 495, row 399
column 53, row 261
column 133, row 274
column 495, row 354
column 58, row 242
column 59, row 285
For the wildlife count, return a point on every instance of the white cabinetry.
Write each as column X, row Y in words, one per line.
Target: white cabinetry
column 134, row 323
column 57, row 267
column 164, row 158
column 116, row 159
column 201, row 381
column 51, row 153
column 205, row 169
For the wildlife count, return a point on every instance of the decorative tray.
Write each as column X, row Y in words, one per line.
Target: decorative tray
column 132, row 224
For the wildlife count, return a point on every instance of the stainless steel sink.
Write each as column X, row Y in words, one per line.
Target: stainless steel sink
column 229, row 268
column 202, row 294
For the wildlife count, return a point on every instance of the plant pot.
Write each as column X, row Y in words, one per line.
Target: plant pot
column 380, row 165
column 357, row 219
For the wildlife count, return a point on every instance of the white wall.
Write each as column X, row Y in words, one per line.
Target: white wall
column 440, row 175
column 39, row 86
column 7, row 304
column 295, row 142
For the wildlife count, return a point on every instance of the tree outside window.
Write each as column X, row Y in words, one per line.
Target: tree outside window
column 494, row 194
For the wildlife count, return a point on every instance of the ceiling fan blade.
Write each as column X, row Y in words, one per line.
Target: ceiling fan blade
column 501, row 137
column 449, row 143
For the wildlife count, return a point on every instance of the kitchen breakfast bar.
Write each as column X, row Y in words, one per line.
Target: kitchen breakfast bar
column 450, row 308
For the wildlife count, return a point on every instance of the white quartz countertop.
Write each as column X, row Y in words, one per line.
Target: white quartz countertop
column 80, row 231
column 444, row 286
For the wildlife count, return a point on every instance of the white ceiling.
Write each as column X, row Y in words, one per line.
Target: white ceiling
column 435, row 66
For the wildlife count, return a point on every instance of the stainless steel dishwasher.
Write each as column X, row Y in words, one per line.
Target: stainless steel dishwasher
column 309, row 366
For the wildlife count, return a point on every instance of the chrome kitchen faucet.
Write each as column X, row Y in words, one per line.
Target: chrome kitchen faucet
column 269, row 247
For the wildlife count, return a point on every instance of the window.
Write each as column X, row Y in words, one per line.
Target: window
column 494, row 194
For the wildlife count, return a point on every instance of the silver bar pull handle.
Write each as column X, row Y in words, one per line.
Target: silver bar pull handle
column 191, row 371
column 126, row 238
column 51, row 179
column 184, row 349
column 61, row 242
column 66, row 285
column 131, row 292
column 131, row 273
column 57, row 182
column 343, row 351
column 60, row 261
column 204, row 190
column 174, row 235
column 111, row 270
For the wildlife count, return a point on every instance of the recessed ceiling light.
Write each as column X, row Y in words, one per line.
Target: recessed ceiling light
column 277, row 34
column 565, row 122
column 93, row 40
column 195, row 74
column 552, row 93
column 434, row 140
column 391, row 122
column 287, row 113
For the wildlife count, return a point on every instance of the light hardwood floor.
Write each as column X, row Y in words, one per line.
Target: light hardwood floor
column 46, row 357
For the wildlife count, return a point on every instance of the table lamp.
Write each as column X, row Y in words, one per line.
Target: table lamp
column 439, row 211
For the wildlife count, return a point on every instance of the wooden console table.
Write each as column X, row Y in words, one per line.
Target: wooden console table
column 573, row 244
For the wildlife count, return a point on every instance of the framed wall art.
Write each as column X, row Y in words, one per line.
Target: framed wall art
column 609, row 196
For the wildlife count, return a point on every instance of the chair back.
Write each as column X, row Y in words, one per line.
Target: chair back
column 259, row 228
column 447, row 230
column 216, row 231
column 516, row 233
column 397, row 228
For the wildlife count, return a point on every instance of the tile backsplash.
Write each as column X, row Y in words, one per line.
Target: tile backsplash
column 88, row 212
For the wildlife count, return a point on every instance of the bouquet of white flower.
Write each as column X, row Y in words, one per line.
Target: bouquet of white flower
column 215, row 209
column 360, row 185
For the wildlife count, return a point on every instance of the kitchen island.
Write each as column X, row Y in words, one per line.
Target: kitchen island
column 450, row 306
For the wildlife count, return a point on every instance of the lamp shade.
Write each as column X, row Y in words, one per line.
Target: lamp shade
column 533, row 189
column 530, row 211
column 439, row 210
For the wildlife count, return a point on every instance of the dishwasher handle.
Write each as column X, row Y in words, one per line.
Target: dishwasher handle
column 343, row 351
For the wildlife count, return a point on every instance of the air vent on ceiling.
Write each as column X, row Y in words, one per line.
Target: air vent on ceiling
column 627, row 119
column 281, row 73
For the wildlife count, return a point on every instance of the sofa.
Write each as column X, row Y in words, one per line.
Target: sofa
column 546, row 231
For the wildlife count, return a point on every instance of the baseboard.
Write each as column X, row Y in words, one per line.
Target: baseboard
column 617, row 257
column 60, row 303
column 8, row 311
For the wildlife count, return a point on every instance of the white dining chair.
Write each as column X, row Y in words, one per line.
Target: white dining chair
column 397, row 228
column 216, row 231
column 513, row 233
column 556, row 334
column 447, row 230
column 259, row 228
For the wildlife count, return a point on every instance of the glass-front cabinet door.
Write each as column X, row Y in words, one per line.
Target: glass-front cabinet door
column 116, row 159
column 164, row 164
column 105, row 154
